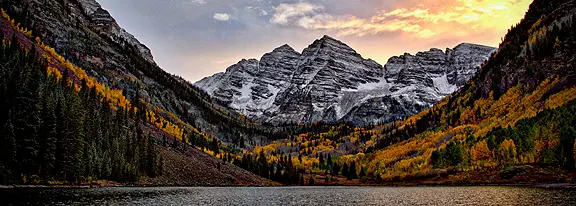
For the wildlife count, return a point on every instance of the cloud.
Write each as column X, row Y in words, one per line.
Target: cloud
column 222, row 16
column 223, row 61
column 198, row 2
column 301, row 14
column 458, row 17
column 258, row 10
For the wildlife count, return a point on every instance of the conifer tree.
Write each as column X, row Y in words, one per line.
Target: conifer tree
column 26, row 119
column 8, row 152
column 49, row 140
column 567, row 136
column 352, row 171
column 345, row 170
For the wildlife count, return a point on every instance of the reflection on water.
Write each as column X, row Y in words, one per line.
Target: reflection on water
column 292, row 196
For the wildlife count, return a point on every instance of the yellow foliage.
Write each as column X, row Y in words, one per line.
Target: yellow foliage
column 267, row 149
column 54, row 72
column 561, row 98
column 480, row 151
column 507, row 151
column 5, row 15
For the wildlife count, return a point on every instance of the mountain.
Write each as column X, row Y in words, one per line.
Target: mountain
column 104, row 76
column 88, row 36
column 331, row 82
column 513, row 122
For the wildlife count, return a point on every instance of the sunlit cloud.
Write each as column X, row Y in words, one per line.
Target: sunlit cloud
column 222, row 16
column 458, row 17
column 296, row 14
column 204, row 34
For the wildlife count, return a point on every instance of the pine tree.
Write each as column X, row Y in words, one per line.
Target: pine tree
column 567, row 136
column 151, row 159
column 214, row 146
column 49, row 140
column 311, row 180
column 8, row 149
column 1, row 39
column 27, row 120
column 241, row 142
column 174, row 143
column 14, row 46
column 335, row 169
column 345, row 170
column 263, row 163
column 278, row 173
column 63, row 147
column 352, row 171
column 77, row 117
column 362, row 172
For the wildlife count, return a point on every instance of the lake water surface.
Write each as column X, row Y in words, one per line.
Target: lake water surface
column 291, row 196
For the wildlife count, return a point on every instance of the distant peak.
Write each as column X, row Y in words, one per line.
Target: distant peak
column 472, row 45
column 329, row 42
column 284, row 48
column 248, row 61
column 326, row 37
column 467, row 44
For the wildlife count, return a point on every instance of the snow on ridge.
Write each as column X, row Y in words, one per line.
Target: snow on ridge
column 331, row 84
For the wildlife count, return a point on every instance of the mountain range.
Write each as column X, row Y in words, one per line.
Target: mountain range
column 84, row 101
column 330, row 82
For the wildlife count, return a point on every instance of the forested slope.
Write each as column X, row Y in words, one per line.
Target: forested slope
column 519, row 109
column 60, row 125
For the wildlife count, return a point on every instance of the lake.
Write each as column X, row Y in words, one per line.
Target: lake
column 480, row 195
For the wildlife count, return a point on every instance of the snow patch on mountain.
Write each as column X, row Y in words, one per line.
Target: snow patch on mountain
column 442, row 86
column 331, row 82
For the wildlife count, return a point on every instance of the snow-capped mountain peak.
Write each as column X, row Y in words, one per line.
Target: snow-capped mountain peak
column 329, row 81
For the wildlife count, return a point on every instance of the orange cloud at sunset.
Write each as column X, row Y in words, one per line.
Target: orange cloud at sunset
column 208, row 36
column 457, row 17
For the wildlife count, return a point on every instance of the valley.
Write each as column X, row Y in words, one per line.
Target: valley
column 86, row 102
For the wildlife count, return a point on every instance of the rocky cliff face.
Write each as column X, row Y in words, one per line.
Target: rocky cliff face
column 331, row 82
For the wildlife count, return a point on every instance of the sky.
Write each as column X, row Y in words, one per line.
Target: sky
column 198, row 38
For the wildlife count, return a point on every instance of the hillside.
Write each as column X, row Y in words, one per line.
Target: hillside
column 513, row 122
column 89, row 37
column 330, row 82
column 518, row 110
column 62, row 126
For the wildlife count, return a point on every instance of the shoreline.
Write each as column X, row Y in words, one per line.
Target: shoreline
column 538, row 185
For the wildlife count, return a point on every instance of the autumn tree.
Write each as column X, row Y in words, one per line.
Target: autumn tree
column 447, row 157
column 507, row 152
